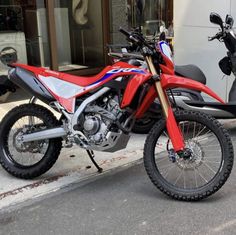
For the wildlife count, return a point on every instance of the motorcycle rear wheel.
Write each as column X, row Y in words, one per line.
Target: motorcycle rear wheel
column 32, row 159
column 200, row 175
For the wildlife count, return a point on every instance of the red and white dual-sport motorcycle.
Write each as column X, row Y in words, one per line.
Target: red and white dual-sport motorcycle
column 187, row 155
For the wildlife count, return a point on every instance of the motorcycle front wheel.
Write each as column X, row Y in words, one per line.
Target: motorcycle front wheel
column 200, row 174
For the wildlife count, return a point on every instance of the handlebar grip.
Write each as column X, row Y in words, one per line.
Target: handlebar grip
column 126, row 33
column 210, row 39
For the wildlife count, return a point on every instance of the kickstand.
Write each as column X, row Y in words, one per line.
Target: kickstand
column 91, row 156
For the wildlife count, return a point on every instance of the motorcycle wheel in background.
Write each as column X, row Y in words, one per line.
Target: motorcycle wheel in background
column 143, row 125
column 200, row 172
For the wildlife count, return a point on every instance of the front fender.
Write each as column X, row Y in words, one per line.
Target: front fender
column 170, row 81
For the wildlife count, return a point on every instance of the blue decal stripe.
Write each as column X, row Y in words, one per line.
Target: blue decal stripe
column 107, row 75
column 103, row 78
column 161, row 43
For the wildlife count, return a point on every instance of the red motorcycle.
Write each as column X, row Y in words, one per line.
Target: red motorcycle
column 188, row 156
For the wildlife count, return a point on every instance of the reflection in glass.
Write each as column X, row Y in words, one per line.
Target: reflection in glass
column 23, row 34
column 79, row 34
column 150, row 14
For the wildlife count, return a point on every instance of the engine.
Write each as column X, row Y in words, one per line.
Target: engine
column 95, row 128
column 98, row 119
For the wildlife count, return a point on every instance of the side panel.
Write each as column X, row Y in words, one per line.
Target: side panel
column 132, row 88
column 28, row 82
column 147, row 101
column 66, row 88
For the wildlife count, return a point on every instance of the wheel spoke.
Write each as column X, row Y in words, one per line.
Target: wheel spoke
column 168, row 171
column 215, row 162
column 209, row 167
column 178, row 177
column 161, row 159
column 201, row 175
column 195, row 176
column 198, row 134
column 167, row 136
column 184, row 179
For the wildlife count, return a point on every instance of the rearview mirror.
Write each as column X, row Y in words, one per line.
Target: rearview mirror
column 229, row 20
column 216, row 19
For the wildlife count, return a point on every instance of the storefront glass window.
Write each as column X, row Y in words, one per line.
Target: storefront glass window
column 79, row 34
column 152, row 15
column 23, row 33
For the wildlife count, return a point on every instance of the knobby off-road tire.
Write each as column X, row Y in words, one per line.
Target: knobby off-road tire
column 207, row 153
column 11, row 125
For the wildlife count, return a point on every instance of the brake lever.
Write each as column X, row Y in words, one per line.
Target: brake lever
column 217, row 36
column 210, row 39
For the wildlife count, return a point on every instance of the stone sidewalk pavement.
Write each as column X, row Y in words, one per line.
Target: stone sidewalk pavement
column 72, row 166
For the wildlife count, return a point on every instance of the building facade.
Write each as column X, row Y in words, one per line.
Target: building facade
column 71, row 35
column 59, row 34
column 192, row 28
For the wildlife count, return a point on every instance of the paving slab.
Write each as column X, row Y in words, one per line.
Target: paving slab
column 72, row 166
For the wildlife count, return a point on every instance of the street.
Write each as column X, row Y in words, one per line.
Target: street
column 124, row 202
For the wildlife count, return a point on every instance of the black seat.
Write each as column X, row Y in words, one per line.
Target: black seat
column 191, row 71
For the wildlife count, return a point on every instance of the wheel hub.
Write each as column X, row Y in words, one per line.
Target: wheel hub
column 32, row 147
column 193, row 156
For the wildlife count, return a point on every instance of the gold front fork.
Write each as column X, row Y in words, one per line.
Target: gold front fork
column 171, row 124
column 161, row 95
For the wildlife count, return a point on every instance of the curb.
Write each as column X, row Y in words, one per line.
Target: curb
column 28, row 194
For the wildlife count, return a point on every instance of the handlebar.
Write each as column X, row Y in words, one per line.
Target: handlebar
column 126, row 33
column 129, row 35
column 136, row 37
column 217, row 36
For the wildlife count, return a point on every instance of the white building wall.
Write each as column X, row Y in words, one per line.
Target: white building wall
column 192, row 28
